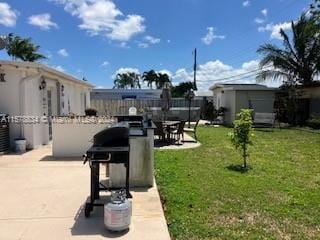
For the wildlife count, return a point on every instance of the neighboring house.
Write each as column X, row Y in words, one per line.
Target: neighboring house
column 234, row 97
column 313, row 96
column 31, row 89
column 203, row 94
column 120, row 94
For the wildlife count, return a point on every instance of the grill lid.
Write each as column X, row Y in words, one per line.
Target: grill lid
column 115, row 136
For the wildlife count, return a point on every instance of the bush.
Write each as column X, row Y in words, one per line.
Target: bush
column 209, row 112
column 91, row 112
column 314, row 123
column 241, row 135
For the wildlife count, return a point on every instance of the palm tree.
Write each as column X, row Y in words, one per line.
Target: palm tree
column 126, row 80
column 121, row 81
column 150, row 77
column 163, row 78
column 134, row 80
column 23, row 49
column 298, row 61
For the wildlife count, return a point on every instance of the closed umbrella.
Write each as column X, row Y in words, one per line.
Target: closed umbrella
column 166, row 99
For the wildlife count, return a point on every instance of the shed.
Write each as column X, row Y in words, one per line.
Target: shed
column 234, row 97
column 36, row 91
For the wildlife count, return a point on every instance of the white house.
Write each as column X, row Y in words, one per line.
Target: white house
column 36, row 91
column 234, row 97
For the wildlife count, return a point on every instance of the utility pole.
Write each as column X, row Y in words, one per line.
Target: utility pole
column 195, row 70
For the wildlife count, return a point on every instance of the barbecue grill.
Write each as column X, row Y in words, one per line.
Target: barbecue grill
column 110, row 146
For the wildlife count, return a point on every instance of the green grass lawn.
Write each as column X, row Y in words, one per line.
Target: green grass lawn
column 278, row 198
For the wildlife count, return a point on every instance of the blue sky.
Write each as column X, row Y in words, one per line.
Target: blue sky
column 97, row 38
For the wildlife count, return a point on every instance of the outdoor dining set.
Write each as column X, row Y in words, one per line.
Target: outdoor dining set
column 172, row 131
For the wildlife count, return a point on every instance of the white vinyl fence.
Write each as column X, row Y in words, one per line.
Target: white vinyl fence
column 121, row 107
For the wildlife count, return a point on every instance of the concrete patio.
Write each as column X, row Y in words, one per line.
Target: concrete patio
column 42, row 198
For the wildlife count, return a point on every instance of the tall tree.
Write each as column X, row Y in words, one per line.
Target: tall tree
column 163, row 78
column 23, row 49
column 298, row 61
column 150, row 77
column 127, row 80
column 181, row 89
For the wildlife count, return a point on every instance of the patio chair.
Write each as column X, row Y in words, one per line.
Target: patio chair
column 160, row 131
column 192, row 130
column 178, row 132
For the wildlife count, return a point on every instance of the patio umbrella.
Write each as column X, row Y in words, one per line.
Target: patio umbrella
column 166, row 99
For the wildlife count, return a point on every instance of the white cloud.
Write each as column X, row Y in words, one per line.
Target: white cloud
column 105, row 64
column 165, row 71
column 210, row 36
column 152, row 40
column 148, row 40
column 259, row 20
column 43, row 21
column 125, row 70
column 8, row 16
column 275, row 29
column 123, row 45
column 143, row 45
column 264, row 12
column 63, row 52
column 246, row 3
column 210, row 72
column 59, row 68
column 251, row 65
column 102, row 17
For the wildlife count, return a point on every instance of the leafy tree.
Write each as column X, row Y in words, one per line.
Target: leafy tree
column 150, row 77
column 23, row 49
column 162, row 79
column 127, row 80
column 315, row 11
column 181, row 89
column 298, row 61
column 242, row 132
column 156, row 78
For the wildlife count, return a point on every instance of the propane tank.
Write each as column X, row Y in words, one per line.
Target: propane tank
column 117, row 213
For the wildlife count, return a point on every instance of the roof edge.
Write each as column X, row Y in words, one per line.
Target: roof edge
column 46, row 69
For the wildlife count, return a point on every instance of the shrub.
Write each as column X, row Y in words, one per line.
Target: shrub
column 314, row 123
column 91, row 112
column 242, row 133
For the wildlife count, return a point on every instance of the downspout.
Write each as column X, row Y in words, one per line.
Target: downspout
column 22, row 97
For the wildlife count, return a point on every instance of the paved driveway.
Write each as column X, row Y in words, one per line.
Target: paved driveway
column 42, row 198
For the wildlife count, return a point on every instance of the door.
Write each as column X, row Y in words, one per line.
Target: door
column 49, row 99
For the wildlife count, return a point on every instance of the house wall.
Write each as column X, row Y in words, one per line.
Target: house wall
column 228, row 101
column 314, row 95
column 20, row 95
column 261, row 101
column 225, row 99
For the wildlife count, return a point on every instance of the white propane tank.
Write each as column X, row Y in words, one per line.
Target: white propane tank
column 117, row 213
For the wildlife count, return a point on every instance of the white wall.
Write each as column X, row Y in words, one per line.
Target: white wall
column 262, row 101
column 228, row 101
column 20, row 95
column 73, row 104
column 73, row 139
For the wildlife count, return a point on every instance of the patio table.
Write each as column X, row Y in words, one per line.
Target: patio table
column 168, row 125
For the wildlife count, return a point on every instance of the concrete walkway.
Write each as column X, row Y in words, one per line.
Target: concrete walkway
column 42, row 198
column 187, row 144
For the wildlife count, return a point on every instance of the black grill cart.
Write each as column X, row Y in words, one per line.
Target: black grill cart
column 110, row 146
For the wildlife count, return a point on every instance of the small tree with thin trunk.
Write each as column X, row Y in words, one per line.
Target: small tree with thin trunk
column 242, row 133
